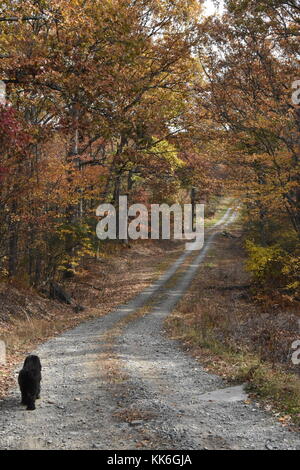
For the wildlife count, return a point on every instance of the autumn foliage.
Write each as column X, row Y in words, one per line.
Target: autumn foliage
column 250, row 60
column 98, row 97
column 147, row 98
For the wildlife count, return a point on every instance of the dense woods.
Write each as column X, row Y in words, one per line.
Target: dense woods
column 250, row 60
column 148, row 98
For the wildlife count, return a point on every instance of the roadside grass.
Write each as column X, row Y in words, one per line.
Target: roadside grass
column 219, row 322
column 278, row 389
column 172, row 282
column 133, row 414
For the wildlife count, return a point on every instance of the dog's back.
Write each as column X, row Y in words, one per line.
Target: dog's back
column 29, row 381
column 32, row 362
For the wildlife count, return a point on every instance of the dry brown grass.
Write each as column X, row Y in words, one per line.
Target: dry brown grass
column 223, row 325
column 133, row 414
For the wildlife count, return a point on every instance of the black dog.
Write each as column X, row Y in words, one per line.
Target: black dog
column 29, row 381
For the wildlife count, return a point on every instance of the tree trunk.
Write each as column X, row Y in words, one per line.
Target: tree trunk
column 13, row 243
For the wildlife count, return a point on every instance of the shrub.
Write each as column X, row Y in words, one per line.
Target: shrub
column 273, row 266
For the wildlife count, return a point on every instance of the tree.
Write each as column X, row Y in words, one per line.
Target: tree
column 249, row 58
column 104, row 89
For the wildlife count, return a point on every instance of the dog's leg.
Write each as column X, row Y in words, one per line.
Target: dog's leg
column 30, row 402
column 23, row 394
column 38, row 392
column 23, row 400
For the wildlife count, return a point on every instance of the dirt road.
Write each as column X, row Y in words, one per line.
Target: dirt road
column 118, row 383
